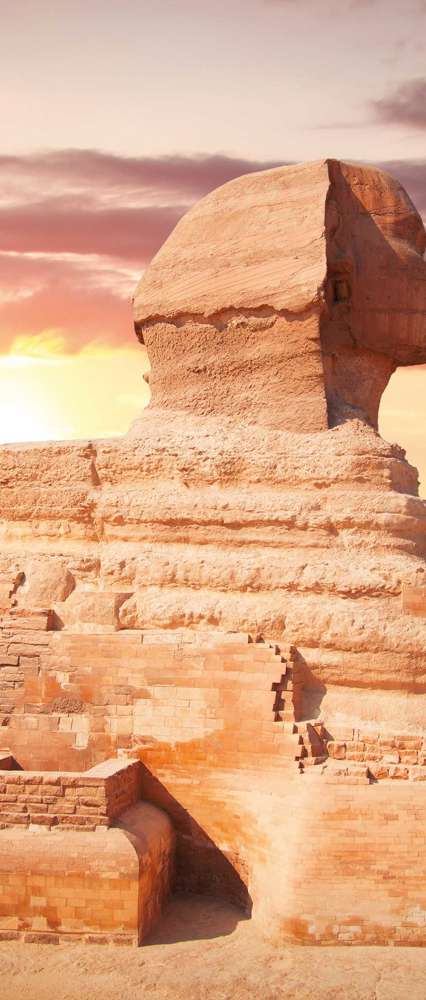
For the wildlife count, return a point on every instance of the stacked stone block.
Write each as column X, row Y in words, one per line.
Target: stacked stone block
column 90, row 860
column 402, row 756
column 362, row 877
column 23, row 641
column 68, row 800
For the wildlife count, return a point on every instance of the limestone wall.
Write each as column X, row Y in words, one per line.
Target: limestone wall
column 355, row 871
column 89, row 695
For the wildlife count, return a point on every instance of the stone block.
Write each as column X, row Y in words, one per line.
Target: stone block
column 391, row 758
column 379, row 770
column 93, row 610
column 336, row 749
column 398, row 771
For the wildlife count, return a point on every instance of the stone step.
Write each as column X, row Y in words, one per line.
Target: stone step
column 311, row 751
column 307, row 726
column 309, row 761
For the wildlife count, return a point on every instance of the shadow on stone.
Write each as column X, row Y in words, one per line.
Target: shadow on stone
column 202, row 869
column 313, row 689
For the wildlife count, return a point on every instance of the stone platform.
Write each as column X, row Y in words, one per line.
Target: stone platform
column 215, row 754
column 81, row 856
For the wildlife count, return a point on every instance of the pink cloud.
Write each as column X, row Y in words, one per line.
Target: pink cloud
column 79, row 302
column 63, row 225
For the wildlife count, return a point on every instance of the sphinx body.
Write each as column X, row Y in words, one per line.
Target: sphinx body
column 254, row 495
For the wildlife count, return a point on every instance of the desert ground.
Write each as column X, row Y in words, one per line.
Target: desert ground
column 201, row 950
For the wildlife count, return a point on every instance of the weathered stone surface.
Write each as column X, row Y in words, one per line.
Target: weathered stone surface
column 304, row 536
column 229, row 317
column 287, row 298
column 45, row 584
column 214, row 511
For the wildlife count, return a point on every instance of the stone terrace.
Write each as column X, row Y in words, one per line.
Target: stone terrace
column 67, row 800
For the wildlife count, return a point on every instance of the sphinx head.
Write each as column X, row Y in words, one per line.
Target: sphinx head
column 287, row 298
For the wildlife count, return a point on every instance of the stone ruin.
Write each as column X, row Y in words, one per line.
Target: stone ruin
column 213, row 631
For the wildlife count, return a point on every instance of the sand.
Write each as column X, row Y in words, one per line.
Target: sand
column 202, row 950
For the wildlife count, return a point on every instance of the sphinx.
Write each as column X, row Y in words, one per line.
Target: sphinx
column 235, row 590
column 287, row 298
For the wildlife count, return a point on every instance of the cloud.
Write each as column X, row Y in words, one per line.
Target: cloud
column 107, row 174
column 46, row 344
column 82, row 300
column 405, row 105
column 63, row 225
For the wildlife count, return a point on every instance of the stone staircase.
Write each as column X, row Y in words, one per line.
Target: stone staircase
column 309, row 743
column 229, row 697
column 307, row 739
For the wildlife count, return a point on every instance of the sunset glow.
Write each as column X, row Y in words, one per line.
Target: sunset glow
column 96, row 393
column 402, row 416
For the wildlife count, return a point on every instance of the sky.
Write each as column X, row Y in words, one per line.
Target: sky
column 116, row 115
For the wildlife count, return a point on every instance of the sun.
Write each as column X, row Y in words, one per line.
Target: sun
column 23, row 414
column 45, row 397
